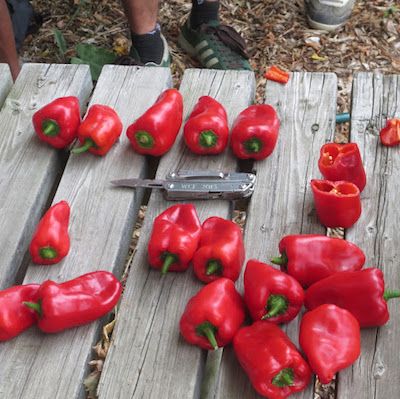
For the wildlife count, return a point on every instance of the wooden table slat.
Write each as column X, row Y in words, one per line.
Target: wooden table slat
column 5, row 82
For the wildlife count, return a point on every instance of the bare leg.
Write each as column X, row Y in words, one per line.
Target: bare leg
column 142, row 15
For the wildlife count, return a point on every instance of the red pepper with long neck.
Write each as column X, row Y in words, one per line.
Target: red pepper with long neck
column 311, row 257
column 50, row 242
column 75, row 302
column 213, row 316
column 275, row 367
column 271, row 294
column 220, row 252
column 206, row 131
column 154, row 132
column 390, row 134
column 361, row 292
column 174, row 238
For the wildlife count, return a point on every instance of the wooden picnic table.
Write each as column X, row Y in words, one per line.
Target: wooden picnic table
column 147, row 357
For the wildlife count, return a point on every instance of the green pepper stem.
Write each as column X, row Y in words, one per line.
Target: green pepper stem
column 47, row 253
column 50, row 127
column 280, row 260
column 208, row 138
column 144, row 139
column 88, row 143
column 37, row 307
column 208, row 330
column 284, row 378
column 391, row 294
column 253, row 145
column 276, row 305
column 213, row 267
column 169, row 260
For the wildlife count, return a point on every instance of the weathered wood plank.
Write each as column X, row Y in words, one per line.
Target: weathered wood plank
column 5, row 82
column 282, row 202
column 375, row 98
column 148, row 358
column 28, row 167
column 53, row 366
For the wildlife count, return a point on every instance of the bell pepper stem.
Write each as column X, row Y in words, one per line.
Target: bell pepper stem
column 50, row 127
column 208, row 138
column 169, row 260
column 253, row 145
column 208, row 330
column 88, row 143
column 280, row 260
column 284, row 378
column 276, row 305
column 36, row 306
column 391, row 294
column 213, row 267
column 47, row 253
column 144, row 139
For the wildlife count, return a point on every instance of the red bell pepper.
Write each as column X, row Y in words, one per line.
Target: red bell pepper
column 276, row 74
column 342, row 162
column 206, row 131
column 220, row 252
column 57, row 122
column 390, row 134
column 338, row 204
column 14, row 316
column 75, row 302
column 311, row 257
column 174, row 238
column 255, row 132
column 271, row 294
column 99, row 130
column 50, row 242
column 271, row 361
column 362, row 293
column 330, row 339
column 154, row 132
column 213, row 316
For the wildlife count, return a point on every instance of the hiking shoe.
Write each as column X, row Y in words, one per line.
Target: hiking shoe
column 215, row 46
column 328, row 14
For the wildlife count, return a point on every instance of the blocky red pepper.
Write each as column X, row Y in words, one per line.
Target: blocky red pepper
column 271, row 361
column 220, row 252
column 362, row 293
column 99, row 130
column 342, row 162
column 213, row 316
column 75, row 302
column 255, row 132
column 270, row 294
column 50, row 242
column 174, row 238
column 277, row 75
column 206, row 131
column 15, row 317
column 57, row 122
column 154, row 132
column 330, row 339
column 390, row 134
column 338, row 204
column 311, row 257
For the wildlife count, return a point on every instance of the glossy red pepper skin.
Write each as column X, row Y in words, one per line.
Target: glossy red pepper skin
column 206, row 131
column 154, row 132
column 271, row 294
column 75, row 302
column 174, row 238
column 99, row 130
column 330, row 339
column 276, row 74
column 362, row 293
column 338, row 204
column 390, row 134
column 255, row 132
column 15, row 317
column 218, row 308
column 220, row 252
column 311, row 257
column 50, row 242
column 342, row 162
column 265, row 352
column 57, row 122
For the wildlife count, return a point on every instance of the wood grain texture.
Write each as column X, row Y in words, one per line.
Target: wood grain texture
column 5, row 82
column 148, row 358
column 375, row 99
column 101, row 225
column 282, row 203
column 28, row 167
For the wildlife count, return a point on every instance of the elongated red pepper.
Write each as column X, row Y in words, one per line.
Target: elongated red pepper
column 14, row 316
column 271, row 361
column 390, row 134
column 50, row 242
column 99, row 130
column 362, row 293
column 311, row 257
column 174, row 238
column 342, row 162
column 271, row 294
column 206, row 131
column 213, row 316
column 220, row 252
column 75, row 302
column 57, row 122
column 330, row 339
column 154, row 132
column 255, row 132
column 338, row 204
column 276, row 74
